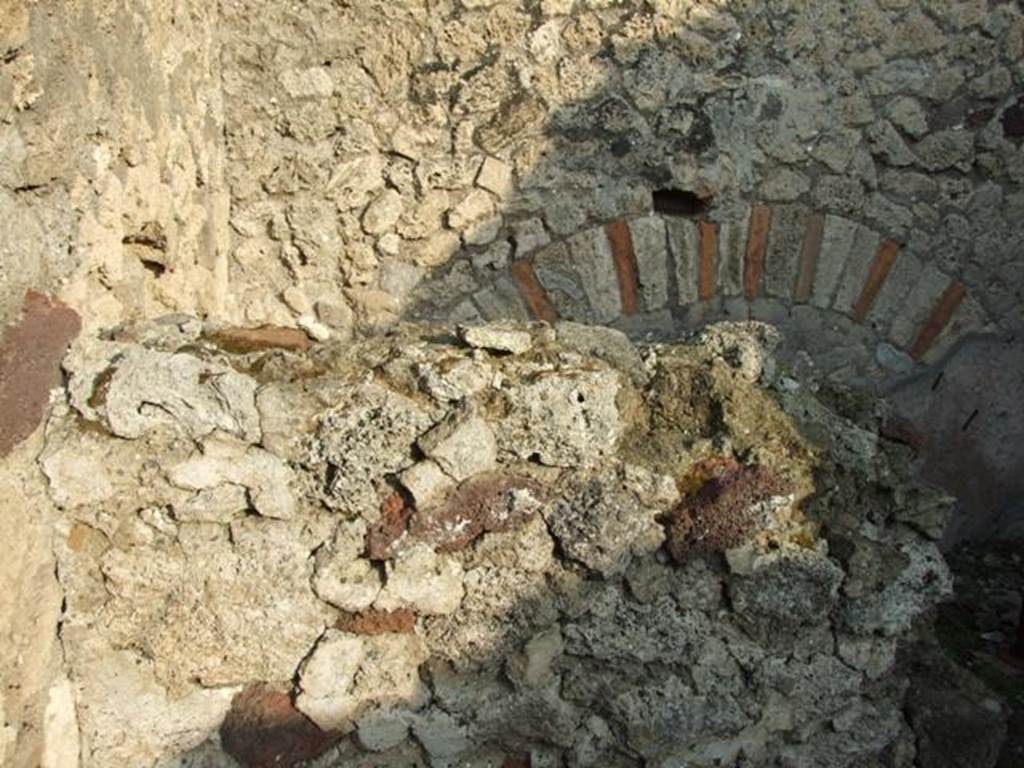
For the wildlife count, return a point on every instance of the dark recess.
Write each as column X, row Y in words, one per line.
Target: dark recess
column 678, row 202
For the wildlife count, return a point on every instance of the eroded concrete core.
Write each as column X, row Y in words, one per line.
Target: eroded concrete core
column 523, row 545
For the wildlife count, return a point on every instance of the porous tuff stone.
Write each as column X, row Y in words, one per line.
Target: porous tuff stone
column 618, row 567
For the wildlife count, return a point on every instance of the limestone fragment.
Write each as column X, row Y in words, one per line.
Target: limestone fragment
column 497, row 337
column 267, row 479
column 563, row 419
column 422, row 580
column 426, row 481
column 495, row 176
column 326, row 680
column 441, row 734
column 149, row 389
column 342, row 576
column 463, row 445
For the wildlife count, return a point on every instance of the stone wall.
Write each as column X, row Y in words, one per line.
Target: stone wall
column 110, row 197
column 534, row 543
column 848, row 172
column 111, row 191
column 455, row 159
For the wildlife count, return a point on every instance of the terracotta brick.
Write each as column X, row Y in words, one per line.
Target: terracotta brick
column 880, row 268
column 373, row 622
column 940, row 317
column 243, row 340
column 813, row 236
column 30, row 356
column 263, row 729
column 623, row 256
column 480, row 505
column 757, row 246
column 382, row 537
column 706, row 270
column 532, row 291
column 722, row 512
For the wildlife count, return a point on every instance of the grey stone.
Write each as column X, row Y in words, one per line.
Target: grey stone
column 591, row 258
column 732, row 250
column 554, row 270
column 651, row 250
column 782, row 594
column 908, row 115
column 684, row 242
column 858, row 264
column 892, row 359
column 597, row 513
column 785, row 185
column 945, row 149
column 835, row 248
column 785, row 243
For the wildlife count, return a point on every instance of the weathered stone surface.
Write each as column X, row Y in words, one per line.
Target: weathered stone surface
column 418, row 578
column 782, row 594
column 342, row 576
column 245, row 613
column 369, row 437
column 266, row 479
column 346, row 674
column 602, row 526
column 563, row 420
column 147, row 390
column 462, row 444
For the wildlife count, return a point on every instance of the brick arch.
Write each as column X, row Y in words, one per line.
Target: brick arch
column 773, row 263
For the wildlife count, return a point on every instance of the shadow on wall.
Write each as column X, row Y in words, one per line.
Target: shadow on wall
column 969, row 421
column 565, row 606
column 674, row 192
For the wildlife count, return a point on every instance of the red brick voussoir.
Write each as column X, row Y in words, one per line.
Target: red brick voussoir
column 30, row 356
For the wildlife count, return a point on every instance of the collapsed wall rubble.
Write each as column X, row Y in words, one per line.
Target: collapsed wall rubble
column 528, row 541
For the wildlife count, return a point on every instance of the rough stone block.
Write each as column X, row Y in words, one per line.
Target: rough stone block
column 732, row 248
column 501, row 301
column 858, row 266
column 917, row 306
column 836, row 244
column 683, row 237
column 785, row 240
column 591, row 257
column 651, row 248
